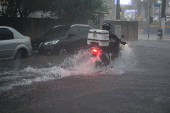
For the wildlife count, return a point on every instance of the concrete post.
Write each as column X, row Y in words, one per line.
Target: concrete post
column 163, row 17
column 149, row 5
column 101, row 17
column 163, row 26
column 118, row 10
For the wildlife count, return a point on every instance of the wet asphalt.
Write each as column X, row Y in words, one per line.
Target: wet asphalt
column 144, row 89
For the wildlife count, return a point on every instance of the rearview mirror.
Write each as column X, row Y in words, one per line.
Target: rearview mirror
column 122, row 36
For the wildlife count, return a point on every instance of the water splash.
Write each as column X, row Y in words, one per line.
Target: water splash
column 80, row 63
column 126, row 61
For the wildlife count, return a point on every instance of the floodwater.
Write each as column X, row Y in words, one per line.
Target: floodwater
column 137, row 81
column 39, row 68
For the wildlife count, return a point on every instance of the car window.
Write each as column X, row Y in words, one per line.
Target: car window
column 6, row 34
column 61, row 31
column 84, row 31
column 57, row 32
column 75, row 30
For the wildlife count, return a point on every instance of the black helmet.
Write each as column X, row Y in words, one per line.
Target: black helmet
column 106, row 26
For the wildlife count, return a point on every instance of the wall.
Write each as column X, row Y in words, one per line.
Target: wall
column 128, row 28
column 35, row 27
column 154, row 30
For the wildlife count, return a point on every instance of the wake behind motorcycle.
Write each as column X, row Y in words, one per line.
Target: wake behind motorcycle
column 101, row 46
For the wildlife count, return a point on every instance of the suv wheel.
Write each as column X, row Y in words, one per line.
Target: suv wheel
column 22, row 53
column 63, row 50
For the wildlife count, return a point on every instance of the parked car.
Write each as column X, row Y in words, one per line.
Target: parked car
column 62, row 39
column 13, row 44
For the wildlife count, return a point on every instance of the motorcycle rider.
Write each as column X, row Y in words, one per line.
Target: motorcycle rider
column 114, row 41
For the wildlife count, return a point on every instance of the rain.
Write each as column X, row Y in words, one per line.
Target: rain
column 47, row 62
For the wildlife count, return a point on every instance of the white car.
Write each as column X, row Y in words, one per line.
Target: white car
column 13, row 44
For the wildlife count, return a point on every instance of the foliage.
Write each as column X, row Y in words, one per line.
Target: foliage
column 22, row 7
column 80, row 9
column 63, row 9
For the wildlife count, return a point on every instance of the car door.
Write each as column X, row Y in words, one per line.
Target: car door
column 84, row 34
column 7, row 43
column 74, row 38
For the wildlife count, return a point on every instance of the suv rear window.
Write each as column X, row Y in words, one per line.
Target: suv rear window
column 56, row 32
column 75, row 30
column 84, row 31
column 6, row 34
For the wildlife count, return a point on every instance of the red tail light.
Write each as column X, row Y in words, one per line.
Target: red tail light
column 95, row 51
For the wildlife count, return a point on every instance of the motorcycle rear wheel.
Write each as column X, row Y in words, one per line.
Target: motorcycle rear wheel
column 104, row 61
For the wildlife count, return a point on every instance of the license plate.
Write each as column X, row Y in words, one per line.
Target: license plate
column 94, row 35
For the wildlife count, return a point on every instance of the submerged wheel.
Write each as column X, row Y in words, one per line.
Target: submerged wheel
column 22, row 53
column 63, row 50
column 102, row 63
column 105, row 63
column 105, row 59
column 98, row 64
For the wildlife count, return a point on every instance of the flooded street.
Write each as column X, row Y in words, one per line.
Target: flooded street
column 138, row 80
column 94, row 56
column 39, row 68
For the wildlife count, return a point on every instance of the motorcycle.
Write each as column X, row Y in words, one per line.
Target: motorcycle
column 100, row 46
column 102, row 58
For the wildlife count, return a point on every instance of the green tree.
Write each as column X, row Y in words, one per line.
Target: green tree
column 9, row 10
column 79, row 9
column 63, row 9
column 21, row 7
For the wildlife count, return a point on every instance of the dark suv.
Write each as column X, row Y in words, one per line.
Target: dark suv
column 62, row 39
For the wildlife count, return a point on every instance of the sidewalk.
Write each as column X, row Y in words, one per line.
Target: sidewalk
column 142, row 36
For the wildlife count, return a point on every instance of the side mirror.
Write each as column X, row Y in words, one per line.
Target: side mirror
column 122, row 36
column 71, row 34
